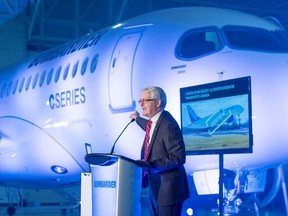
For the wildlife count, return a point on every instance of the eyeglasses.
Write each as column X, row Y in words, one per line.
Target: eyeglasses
column 146, row 100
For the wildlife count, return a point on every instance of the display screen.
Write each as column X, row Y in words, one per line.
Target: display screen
column 216, row 117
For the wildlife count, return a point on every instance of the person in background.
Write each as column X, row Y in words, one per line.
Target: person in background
column 162, row 156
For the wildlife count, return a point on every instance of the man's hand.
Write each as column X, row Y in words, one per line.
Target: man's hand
column 134, row 115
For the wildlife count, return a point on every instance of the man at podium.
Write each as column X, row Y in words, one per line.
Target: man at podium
column 162, row 156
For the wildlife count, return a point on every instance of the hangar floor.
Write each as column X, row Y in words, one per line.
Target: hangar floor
column 75, row 211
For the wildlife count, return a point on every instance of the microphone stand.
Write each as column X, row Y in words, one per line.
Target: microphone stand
column 112, row 150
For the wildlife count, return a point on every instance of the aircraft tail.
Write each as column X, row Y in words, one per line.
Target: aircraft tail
column 193, row 116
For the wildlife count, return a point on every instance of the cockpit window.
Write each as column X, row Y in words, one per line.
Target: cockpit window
column 256, row 39
column 197, row 43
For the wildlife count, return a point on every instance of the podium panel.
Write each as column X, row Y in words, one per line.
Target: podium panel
column 116, row 186
column 104, row 191
column 86, row 194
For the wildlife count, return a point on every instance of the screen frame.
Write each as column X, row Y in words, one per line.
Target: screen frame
column 222, row 90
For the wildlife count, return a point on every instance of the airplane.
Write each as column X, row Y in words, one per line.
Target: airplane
column 83, row 91
column 213, row 121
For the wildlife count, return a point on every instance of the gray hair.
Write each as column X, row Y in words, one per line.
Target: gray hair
column 157, row 93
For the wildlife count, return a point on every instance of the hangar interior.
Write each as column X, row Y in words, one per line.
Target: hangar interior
column 31, row 26
column 28, row 27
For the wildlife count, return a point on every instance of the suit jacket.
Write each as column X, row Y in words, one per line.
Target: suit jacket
column 166, row 156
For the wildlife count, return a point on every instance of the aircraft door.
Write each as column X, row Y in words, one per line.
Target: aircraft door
column 120, row 74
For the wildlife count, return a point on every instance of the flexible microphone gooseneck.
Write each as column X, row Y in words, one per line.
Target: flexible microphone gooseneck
column 112, row 150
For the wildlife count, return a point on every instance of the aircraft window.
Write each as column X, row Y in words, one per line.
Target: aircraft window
column 74, row 71
column 197, row 43
column 28, row 83
column 65, row 74
column 35, row 81
column 94, row 63
column 9, row 89
column 42, row 78
column 57, row 74
column 21, row 85
column 84, row 66
column 15, row 87
column 256, row 39
column 3, row 90
column 49, row 76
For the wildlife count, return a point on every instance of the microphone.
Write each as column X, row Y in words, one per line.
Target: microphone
column 112, row 150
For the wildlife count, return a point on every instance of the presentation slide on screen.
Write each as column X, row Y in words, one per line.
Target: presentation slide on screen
column 216, row 117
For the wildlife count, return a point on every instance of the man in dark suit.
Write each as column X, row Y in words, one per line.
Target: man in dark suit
column 165, row 155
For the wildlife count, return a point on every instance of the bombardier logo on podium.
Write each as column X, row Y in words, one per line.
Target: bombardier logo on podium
column 104, row 184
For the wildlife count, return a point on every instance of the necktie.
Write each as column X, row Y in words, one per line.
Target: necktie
column 147, row 136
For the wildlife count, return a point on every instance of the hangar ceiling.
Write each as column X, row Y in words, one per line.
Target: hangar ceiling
column 53, row 22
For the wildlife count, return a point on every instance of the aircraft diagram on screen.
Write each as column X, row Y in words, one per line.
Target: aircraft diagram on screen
column 212, row 122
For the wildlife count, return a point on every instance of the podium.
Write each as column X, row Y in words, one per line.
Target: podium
column 116, row 185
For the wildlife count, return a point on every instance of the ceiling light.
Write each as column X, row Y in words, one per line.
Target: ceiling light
column 59, row 169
